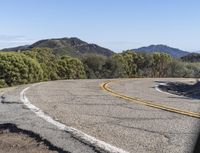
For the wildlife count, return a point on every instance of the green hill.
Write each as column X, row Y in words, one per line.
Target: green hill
column 63, row 46
column 174, row 52
column 192, row 57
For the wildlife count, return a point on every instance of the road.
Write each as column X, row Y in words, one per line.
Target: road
column 127, row 125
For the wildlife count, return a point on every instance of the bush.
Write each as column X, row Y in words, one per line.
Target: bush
column 16, row 68
column 41, row 64
column 93, row 64
column 47, row 61
column 2, row 83
column 70, row 68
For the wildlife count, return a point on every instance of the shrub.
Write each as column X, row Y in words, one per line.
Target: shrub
column 47, row 61
column 2, row 83
column 16, row 68
column 70, row 68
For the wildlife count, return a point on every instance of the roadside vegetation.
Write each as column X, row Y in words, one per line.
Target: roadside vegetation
column 129, row 64
column 41, row 64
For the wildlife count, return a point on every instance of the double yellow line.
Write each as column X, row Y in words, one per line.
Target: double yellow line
column 105, row 87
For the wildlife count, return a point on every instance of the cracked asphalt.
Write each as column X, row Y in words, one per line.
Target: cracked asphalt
column 13, row 111
column 132, row 127
column 83, row 105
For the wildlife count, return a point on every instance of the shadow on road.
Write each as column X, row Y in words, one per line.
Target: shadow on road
column 197, row 145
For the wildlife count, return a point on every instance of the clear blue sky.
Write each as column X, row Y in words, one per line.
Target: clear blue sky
column 115, row 24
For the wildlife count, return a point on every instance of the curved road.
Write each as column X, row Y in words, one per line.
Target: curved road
column 82, row 104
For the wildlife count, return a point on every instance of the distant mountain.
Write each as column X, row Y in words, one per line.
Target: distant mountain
column 19, row 48
column 70, row 46
column 174, row 52
column 192, row 57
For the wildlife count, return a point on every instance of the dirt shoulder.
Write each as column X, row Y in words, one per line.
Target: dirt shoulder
column 13, row 139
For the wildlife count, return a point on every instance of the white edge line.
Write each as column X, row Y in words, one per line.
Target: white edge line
column 76, row 133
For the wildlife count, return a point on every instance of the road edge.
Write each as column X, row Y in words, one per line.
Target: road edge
column 83, row 137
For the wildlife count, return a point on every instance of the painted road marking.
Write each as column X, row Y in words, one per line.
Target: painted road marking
column 105, row 87
column 76, row 133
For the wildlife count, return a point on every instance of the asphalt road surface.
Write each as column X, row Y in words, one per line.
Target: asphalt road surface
column 83, row 105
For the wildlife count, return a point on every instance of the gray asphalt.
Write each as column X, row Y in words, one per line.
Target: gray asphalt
column 83, row 105
column 13, row 111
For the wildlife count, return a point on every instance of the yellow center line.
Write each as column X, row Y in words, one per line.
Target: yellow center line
column 105, row 87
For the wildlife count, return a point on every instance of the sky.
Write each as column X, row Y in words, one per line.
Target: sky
column 114, row 24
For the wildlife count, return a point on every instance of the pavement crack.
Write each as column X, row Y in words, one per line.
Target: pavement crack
column 130, row 118
column 146, row 130
column 10, row 102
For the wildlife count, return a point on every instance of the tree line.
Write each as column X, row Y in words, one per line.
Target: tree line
column 40, row 64
column 129, row 64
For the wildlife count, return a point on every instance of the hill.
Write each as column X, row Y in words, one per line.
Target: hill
column 62, row 46
column 192, row 57
column 174, row 52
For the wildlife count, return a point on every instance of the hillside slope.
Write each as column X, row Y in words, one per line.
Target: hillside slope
column 192, row 57
column 69, row 46
column 174, row 52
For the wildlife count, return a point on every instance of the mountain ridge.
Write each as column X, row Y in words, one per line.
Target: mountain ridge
column 76, row 47
column 62, row 46
column 175, row 52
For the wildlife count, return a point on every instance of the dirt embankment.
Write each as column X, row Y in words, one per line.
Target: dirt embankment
column 15, row 140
